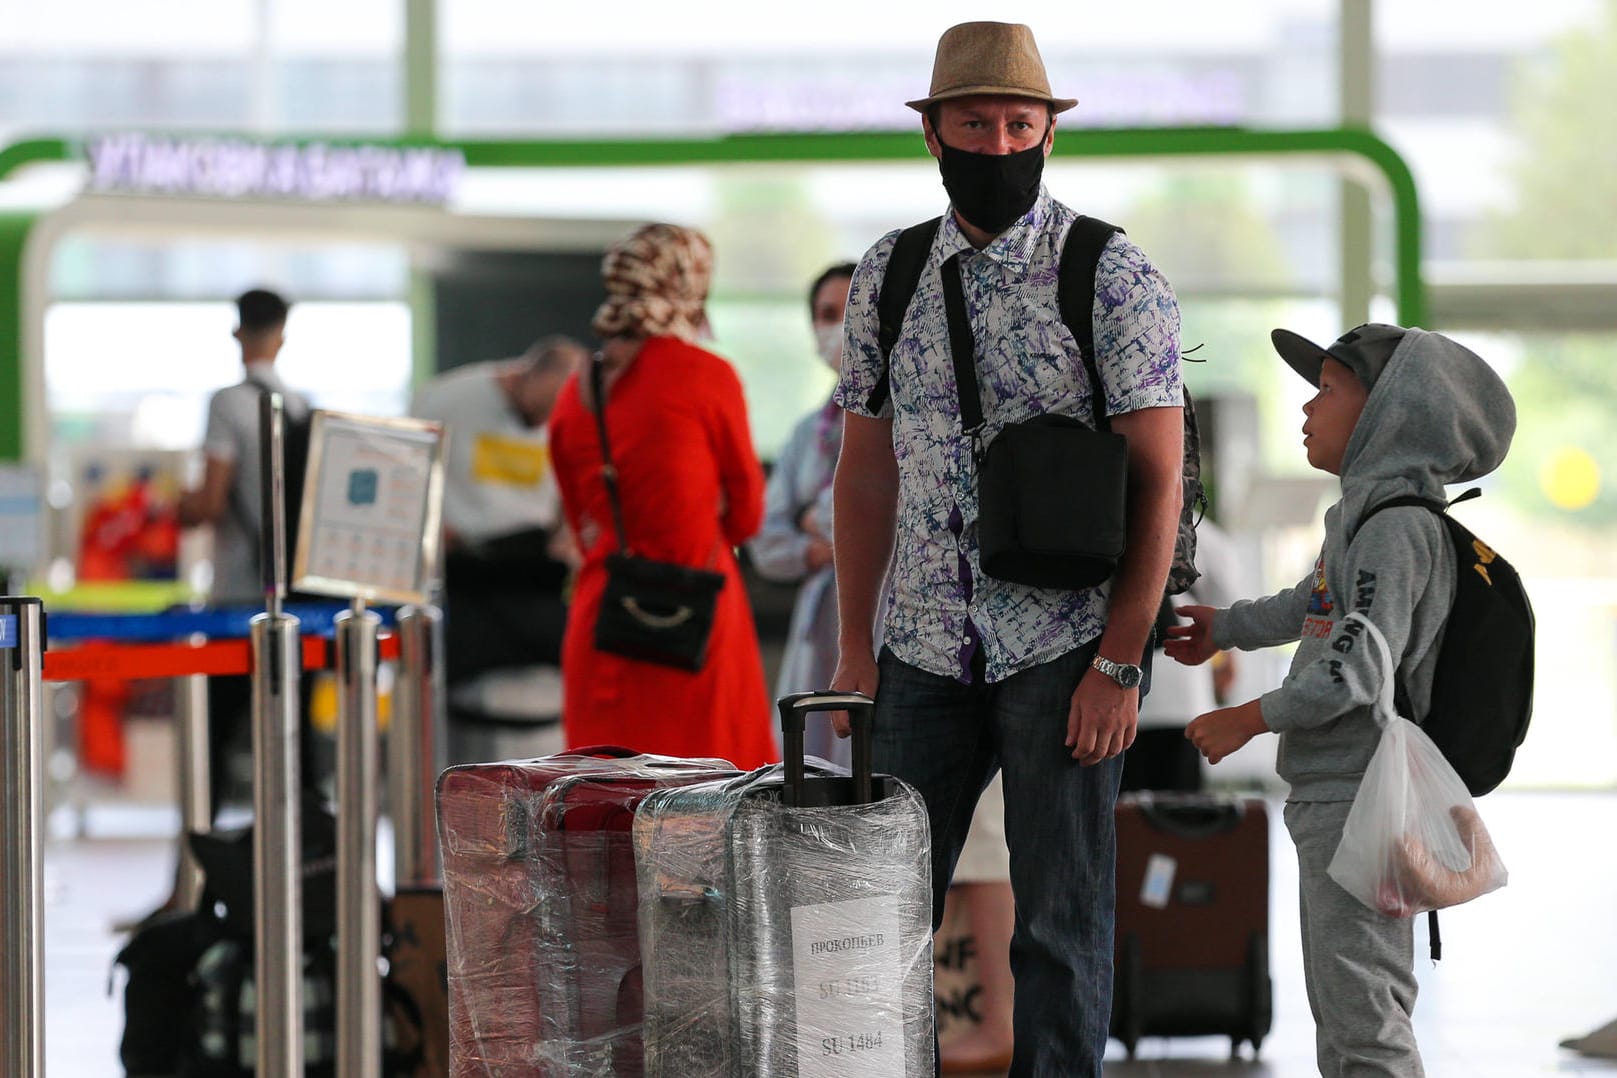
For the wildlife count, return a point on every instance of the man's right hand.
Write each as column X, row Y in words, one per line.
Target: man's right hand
column 856, row 672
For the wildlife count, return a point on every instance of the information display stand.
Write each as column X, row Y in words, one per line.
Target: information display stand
column 370, row 532
column 371, row 508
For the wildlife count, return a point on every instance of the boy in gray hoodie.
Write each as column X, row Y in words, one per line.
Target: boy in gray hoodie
column 1399, row 412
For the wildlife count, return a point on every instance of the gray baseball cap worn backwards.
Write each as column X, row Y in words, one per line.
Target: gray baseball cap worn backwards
column 1363, row 350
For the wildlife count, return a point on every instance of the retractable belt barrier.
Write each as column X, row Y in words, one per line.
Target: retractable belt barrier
column 163, row 645
column 215, row 658
column 318, row 619
column 192, row 645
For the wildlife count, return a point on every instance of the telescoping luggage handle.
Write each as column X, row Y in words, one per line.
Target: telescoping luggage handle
column 1192, row 816
column 794, row 709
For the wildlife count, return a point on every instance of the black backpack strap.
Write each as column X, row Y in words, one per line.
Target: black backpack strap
column 1075, row 293
column 235, row 500
column 963, row 351
column 898, row 286
column 1434, row 504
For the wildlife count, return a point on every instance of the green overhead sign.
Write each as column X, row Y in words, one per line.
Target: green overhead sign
column 420, row 170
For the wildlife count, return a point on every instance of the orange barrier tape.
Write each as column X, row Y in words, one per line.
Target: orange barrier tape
column 214, row 658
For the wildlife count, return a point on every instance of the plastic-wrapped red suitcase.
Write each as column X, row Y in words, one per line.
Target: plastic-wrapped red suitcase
column 786, row 919
column 540, row 907
column 1192, row 919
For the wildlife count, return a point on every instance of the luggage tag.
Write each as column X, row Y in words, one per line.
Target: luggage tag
column 1158, row 886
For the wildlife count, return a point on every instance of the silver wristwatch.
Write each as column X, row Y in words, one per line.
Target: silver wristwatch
column 1123, row 673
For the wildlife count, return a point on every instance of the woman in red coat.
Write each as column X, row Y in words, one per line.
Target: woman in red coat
column 691, row 490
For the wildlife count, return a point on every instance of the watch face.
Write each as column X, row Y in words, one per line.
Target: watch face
column 1123, row 673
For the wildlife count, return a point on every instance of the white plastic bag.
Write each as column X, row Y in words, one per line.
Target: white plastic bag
column 1413, row 840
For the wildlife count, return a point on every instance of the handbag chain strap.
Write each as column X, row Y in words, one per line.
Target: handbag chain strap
column 609, row 471
column 1091, row 236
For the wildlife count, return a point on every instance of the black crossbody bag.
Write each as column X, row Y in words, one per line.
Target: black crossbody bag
column 654, row 611
column 1052, row 492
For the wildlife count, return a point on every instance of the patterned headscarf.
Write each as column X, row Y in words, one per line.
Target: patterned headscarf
column 656, row 284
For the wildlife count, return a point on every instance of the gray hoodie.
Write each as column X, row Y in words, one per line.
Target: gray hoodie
column 1436, row 415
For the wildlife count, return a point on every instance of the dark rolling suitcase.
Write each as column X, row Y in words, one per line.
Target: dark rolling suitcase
column 786, row 919
column 1192, row 919
column 540, row 909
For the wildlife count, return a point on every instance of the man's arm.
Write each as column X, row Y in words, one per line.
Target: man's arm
column 865, row 495
column 1155, row 438
column 1101, row 721
column 206, row 503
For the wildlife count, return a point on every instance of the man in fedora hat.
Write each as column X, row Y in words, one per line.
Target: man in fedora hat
column 978, row 674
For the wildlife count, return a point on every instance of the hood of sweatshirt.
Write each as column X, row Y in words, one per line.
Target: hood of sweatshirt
column 1438, row 414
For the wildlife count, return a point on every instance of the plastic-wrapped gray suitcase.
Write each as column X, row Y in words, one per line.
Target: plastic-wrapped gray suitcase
column 785, row 918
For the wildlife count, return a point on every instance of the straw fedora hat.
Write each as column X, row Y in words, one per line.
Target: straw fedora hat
column 989, row 58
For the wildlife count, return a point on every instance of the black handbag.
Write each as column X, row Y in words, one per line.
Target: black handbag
column 654, row 611
column 1052, row 492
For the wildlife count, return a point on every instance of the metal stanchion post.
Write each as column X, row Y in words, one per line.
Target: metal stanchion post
column 195, row 780
column 22, row 772
column 359, row 909
column 415, row 744
column 277, row 845
column 277, row 785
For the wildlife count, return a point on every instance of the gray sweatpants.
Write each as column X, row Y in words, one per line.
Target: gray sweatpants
column 1358, row 964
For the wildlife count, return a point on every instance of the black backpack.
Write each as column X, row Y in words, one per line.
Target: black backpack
column 1482, row 692
column 1075, row 292
column 189, row 1001
column 159, row 959
column 295, row 458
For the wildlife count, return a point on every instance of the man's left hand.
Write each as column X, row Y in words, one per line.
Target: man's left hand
column 1101, row 718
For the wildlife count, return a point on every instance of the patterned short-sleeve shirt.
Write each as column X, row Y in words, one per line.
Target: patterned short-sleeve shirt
column 941, row 607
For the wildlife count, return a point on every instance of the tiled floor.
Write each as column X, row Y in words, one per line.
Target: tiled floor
column 1523, row 968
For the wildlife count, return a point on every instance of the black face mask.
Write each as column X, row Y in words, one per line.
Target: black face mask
column 992, row 190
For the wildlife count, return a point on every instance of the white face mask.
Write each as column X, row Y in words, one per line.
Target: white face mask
column 828, row 342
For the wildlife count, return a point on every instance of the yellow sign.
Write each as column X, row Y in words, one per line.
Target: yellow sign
column 497, row 458
column 1570, row 478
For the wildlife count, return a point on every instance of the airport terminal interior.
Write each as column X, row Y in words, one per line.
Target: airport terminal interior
column 1520, row 972
column 434, row 183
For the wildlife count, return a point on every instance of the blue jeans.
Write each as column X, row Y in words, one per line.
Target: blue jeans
column 946, row 739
